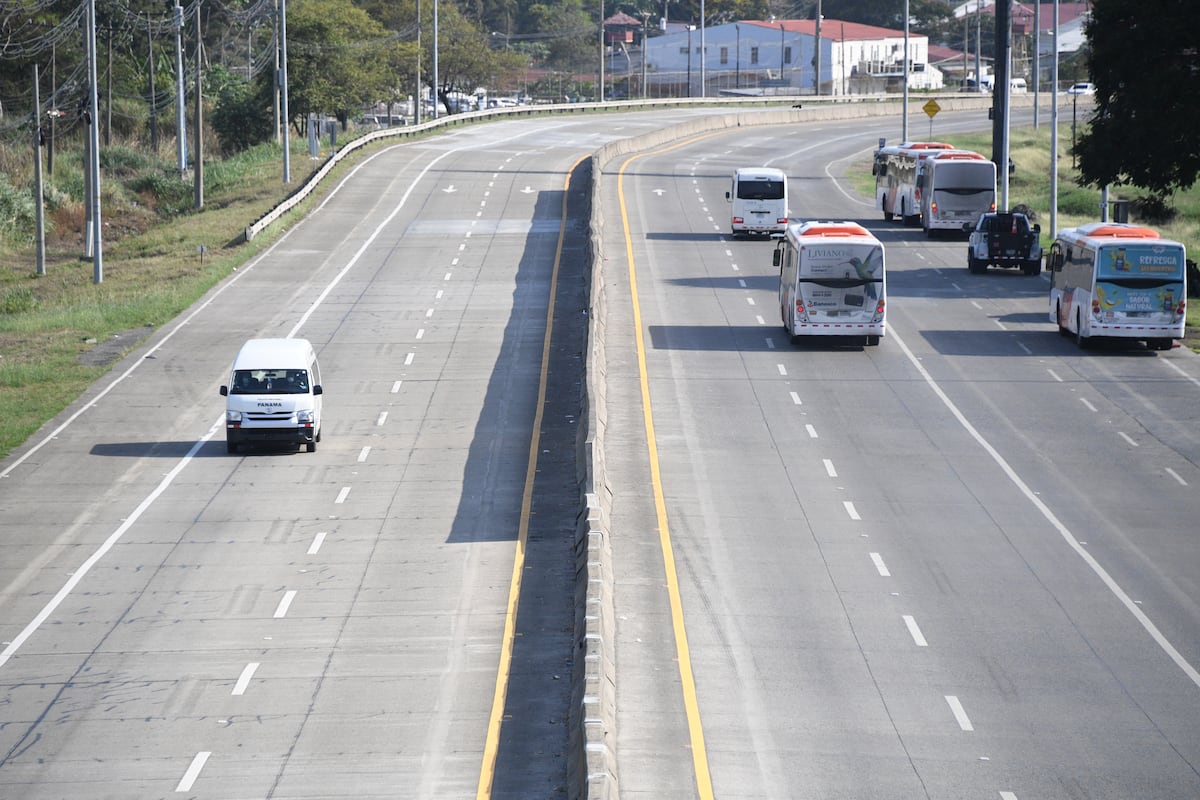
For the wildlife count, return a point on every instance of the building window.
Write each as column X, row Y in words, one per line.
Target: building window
column 724, row 55
column 787, row 54
column 753, row 55
column 683, row 51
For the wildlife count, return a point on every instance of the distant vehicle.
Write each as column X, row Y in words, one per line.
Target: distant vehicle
column 1018, row 86
column 1118, row 280
column 1004, row 239
column 895, row 171
column 273, row 395
column 831, row 281
column 760, row 201
column 953, row 188
column 1082, row 88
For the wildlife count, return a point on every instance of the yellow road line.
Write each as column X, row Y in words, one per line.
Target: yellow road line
column 690, row 703
column 491, row 746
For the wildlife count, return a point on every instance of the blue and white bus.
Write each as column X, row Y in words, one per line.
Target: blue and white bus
column 1118, row 280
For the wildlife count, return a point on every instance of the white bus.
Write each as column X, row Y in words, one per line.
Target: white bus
column 760, row 201
column 1118, row 280
column 895, row 170
column 954, row 187
column 831, row 281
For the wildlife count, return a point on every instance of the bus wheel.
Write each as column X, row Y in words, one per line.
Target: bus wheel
column 1032, row 267
column 1062, row 329
column 231, row 447
column 1161, row 344
column 1080, row 339
column 887, row 215
column 872, row 341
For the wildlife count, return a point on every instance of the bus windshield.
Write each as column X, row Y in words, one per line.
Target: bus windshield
column 965, row 178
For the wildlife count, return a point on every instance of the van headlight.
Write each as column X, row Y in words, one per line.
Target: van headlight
column 233, row 416
column 304, row 417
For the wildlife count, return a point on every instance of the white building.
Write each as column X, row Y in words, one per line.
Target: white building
column 778, row 57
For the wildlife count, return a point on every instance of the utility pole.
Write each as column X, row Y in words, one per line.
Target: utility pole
column 284, row 114
column 39, row 198
column 95, row 240
column 817, row 55
column 1000, row 87
column 180, row 95
column 904, row 104
column 1054, row 129
column 198, row 174
column 153, row 96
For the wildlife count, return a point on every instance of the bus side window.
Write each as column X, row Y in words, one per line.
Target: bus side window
column 777, row 258
column 1056, row 257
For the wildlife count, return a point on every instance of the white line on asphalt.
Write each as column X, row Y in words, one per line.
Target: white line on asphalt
column 1054, row 375
column 742, row 283
column 382, row 418
column 956, row 708
column 446, row 277
column 999, row 324
column 243, row 680
column 193, row 771
column 915, row 631
column 1087, row 403
column 812, row 431
column 342, row 495
column 1176, row 476
column 760, row 320
column 1179, row 369
column 439, row 294
column 795, row 398
column 750, row 300
column 1021, row 345
column 829, row 470
column 396, row 386
column 735, row 268
column 770, row 344
column 362, row 454
column 974, row 303
column 1127, row 438
column 1008, row 796
column 285, row 603
column 317, row 541
column 850, row 510
column 408, row 359
column 1063, row 531
column 428, row 313
column 782, row 369
column 880, row 567
column 420, row 333
column 462, row 247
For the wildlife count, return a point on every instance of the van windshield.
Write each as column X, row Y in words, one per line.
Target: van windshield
column 270, row 381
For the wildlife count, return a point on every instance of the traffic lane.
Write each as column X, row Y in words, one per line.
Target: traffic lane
column 717, row 426
column 297, row 597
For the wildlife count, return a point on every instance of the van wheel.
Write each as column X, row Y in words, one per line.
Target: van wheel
column 311, row 447
column 230, row 447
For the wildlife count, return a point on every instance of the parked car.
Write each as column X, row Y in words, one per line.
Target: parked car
column 1082, row 88
column 1004, row 239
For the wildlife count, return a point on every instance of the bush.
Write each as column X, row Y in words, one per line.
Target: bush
column 18, row 213
column 164, row 192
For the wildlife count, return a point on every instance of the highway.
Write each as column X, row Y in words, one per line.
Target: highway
column 959, row 564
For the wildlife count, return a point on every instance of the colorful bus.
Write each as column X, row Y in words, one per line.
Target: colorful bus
column 1118, row 280
column 831, row 281
column 954, row 187
column 895, row 170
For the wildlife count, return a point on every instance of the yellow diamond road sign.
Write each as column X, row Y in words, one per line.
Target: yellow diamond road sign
column 931, row 108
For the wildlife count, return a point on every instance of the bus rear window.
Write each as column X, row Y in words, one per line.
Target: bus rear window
column 1140, row 261
column 760, row 190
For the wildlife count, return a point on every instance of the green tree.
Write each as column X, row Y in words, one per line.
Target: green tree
column 243, row 114
column 338, row 58
column 1145, row 58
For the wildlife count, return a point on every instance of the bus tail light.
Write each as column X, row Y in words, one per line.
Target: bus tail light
column 1095, row 308
column 933, row 207
column 738, row 220
column 1181, row 309
column 781, row 221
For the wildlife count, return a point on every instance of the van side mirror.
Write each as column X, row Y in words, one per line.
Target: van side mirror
column 728, row 196
column 224, row 391
column 1037, row 228
column 318, row 390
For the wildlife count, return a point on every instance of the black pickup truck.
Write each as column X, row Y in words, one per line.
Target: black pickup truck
column 1004, row 239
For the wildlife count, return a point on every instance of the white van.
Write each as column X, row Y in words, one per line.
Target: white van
column 760, row 201
column 274, row 395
